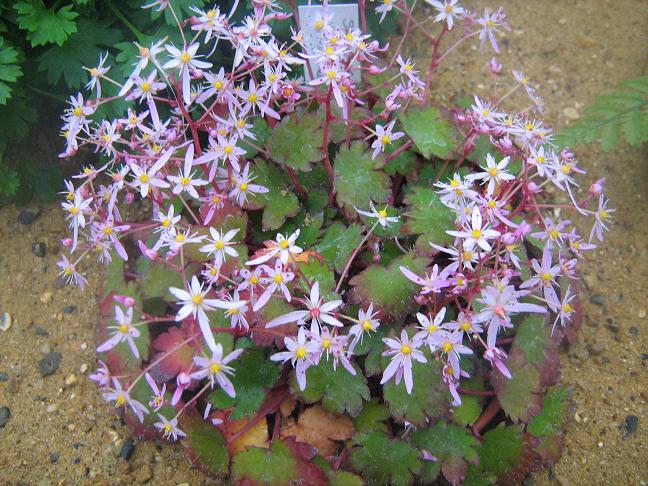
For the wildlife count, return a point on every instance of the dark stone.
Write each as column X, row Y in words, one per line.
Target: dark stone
column 634, row 332
column 644, row 355
column 28, row 216
column 39, row 249
column 50, row 363
column 77, row 460
column 40, row 331
column 597, row 299
column 630, row 425
column 5, row 415
column 69, row 309
column 54, row 457
column 613, row 328
column 4, row 376
column 76, row 445
column 127, row 449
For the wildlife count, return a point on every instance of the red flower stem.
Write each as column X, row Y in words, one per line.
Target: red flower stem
column 293, row 178
column 353, row 255
column 487, row 415
column 399, row 151
column 325, row 142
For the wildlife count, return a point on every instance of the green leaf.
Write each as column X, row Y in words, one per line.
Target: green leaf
column 358, row 180
column 262, row 132
column 471, row 405
column 254, row 375
column 16, row 116
column 338, row 242
column 206, row 444
column 428, row 217
column 10, row 70
column 274, row 466
column 317, row 270
column 533, row 337
column 501, row 450
column 296, row 141
column 81, row 49
column 519, row 395
column 430, row 131
column 279, row 202
column 555, row 410
column 157, row 278
column 429, row 397
column 388, row 288
column 404, row 163
column 344, row 478
column 382, row 460
column 45, row 25
column 372, row 417
column 338, row 389
column 453, row 445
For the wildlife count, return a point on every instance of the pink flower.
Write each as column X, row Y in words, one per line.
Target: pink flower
column 316, row 309
column 215, row 367
column 169, row 427
column 276, row 279
column 124, row 331
column 301, row 354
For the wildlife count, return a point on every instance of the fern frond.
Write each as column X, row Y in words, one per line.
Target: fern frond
column 624, row 111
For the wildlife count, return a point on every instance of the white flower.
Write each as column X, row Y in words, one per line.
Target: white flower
column 476, row 235
column 299, row 353
column 384, row 137
column 402, row 352
column 193, row 302
column 220, row 245
column 284, row 247
column 146, row 178
column 316, row 310
column 494, row 173
column 185, row 181
column 215, row 367
column 381, row 215
column 169, row 428
column 447, row 11
column 184, row 60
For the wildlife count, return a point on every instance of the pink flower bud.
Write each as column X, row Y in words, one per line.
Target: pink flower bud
column 373, row 69
column 150, row 254
column 533, row 187
column 495, row 66
column 483, row 129
column 596, row 189
column 125, row 300
column 129, row 197
column 66, row 242
column 566, row 155
column 508, row 238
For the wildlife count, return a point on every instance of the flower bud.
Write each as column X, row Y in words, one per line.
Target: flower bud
column 596, row 189
column 495, row 67
column 125, row 300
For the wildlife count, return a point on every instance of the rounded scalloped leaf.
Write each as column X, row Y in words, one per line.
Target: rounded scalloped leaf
column 519, row 396
column 279, row 202
column 430, row 131
column 548, row 425
column 388, row 288
column 338, row 242
column 504, row 452
column 452, row 445
column 429, row 397
column 206, row 445
column 338, row 389
column 428, row 217
column 296, row 141
column 534, row 338
column 383, row 460
column 372, row 417
column 254, row 375
column 358, row 179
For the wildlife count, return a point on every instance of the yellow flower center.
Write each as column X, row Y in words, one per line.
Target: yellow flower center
column 432, row 328
column 185, row 181
column 74, row 210
column 146, row 86
column 490, row 24
column 546, row 276
column 554, row 233
column 329, row 51
column 168, row 428
column 107, row 230
column 604, row 214
column 566, row 169
column 121, row 400
column 277, row 278
column 408, row 67
column 567, row 308
column 144, row 178
column 448, row 8
column 243, row 187
column 300, row 352
column 447, row 347
column 228, row 149
column 319, row 24
column 252, row 98
column 326, row 343
column 492, row 171
column 284, row 244
column 197, row 299
column 465, row 326
column 185, row 57
column 540, row 159
column 218, row 84
column 476, row 234
column 386, row 140
column 220, row 245
column 330, row 74
column 254, row 280
column 382, row 213
column 78, row 111
column 68, row 270
column 215, row 368
column 454, row 183
column 211, row 14
column 216, row 199
column 366, row 325
column 406, row 349
column 492, row 204
column 166, row 223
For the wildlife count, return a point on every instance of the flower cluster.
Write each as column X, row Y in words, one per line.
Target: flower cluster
column 183, row 175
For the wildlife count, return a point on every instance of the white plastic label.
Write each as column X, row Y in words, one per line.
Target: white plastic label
column 344, row 16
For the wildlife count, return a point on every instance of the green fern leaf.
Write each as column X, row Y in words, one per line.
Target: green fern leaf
column 46, row 25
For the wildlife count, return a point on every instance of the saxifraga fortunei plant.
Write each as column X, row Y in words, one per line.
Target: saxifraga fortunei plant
column 311, row 272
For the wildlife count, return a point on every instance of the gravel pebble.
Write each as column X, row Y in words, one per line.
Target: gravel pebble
column 634, row 331
column 40, row 331
column 597, row 299
column 4, row 376
column 50, row 363
column 54, row 457
column 127, row 449
column 28, row 216
column 630, row 425
column 5, row 415
column 69, row 309
column 39, row 249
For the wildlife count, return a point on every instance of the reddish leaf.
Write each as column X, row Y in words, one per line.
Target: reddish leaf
column 176, row 362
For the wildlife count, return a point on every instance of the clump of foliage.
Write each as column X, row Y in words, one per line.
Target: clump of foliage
column 621, row 113
column 326, row 279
